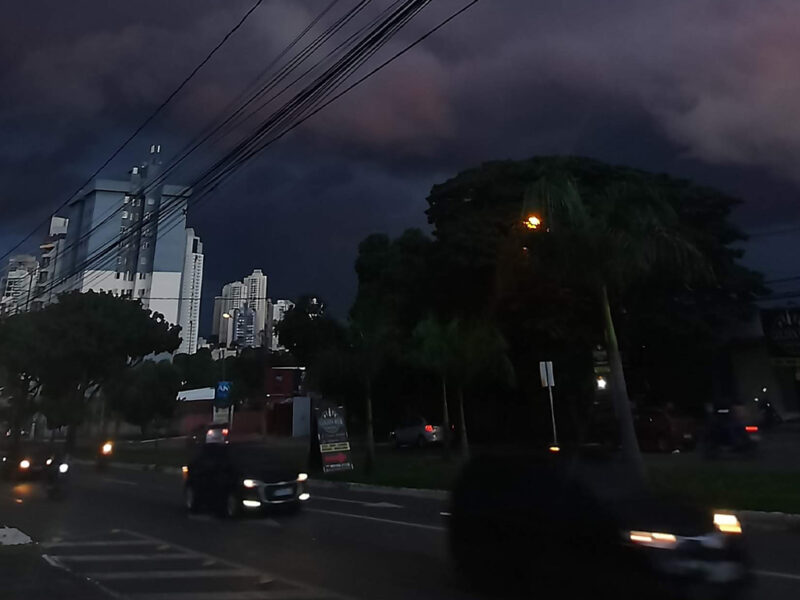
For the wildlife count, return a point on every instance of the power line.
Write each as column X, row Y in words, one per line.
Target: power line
column 139, row 129
column 306, row 100
column 192, row 146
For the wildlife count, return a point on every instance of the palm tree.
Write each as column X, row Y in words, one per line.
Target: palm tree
column 433, row 351
column 610, row 239
column 461, row 351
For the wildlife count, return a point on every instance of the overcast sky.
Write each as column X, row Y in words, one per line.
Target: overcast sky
column 697, row 88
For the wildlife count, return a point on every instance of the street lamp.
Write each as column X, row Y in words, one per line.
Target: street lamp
column 532, row 222
column 225, row 315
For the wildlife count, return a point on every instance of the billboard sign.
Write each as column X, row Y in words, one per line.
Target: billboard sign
column 334, row 445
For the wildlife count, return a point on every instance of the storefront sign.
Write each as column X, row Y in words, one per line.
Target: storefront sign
column 334, row 445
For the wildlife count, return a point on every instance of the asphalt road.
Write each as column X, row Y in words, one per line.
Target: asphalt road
column 127, row 531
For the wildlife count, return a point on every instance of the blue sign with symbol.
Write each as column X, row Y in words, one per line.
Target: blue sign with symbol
column 222, row 394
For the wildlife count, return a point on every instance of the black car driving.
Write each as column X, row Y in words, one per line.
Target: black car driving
column 522, row 525
column 239, row 478
column 33, row 461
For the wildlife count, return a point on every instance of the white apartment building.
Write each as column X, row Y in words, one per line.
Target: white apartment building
column 251, row 293
column 17, row 288
column 130, row 238
column 277, row 310
column 191, row 292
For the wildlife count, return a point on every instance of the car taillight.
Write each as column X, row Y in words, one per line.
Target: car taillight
column 225, row 431
column 751, row 429
column 429, row 428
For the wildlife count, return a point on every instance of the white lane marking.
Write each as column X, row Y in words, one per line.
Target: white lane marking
column 245, row 595
column 360, row 502
column 366, row 518
column 10, row 536
column 778, row 575
column 187, row 574
column 123, row 557
column 119, row 481
column 53, row 562
column 58, row 544
column 445, row 514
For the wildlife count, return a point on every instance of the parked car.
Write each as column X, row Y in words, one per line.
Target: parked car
column 663, row 430
column 237, row 478
column 416, row 431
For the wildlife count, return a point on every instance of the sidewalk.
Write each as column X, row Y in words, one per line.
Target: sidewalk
column 24, row 574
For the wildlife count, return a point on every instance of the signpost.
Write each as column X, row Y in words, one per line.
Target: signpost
column 548, row 381
column 223, row 411
column 334, row 445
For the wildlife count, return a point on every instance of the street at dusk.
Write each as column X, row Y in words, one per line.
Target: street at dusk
column 389, row 299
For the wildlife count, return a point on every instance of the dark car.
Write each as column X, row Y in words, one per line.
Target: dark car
column 522, row 525
column 234, row 479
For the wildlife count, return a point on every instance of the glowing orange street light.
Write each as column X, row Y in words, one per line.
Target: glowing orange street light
column 532, row 222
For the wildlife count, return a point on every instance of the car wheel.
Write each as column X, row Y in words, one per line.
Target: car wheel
column 233, row 506
column 190, row 499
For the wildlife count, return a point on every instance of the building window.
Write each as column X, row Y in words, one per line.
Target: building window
column 141, row 293
column 124, row 214
column 135, row 171
column 151, row 201
column 116, row 275
column 125, row 199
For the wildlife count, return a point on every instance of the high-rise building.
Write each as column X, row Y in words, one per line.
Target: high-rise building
column 244, row 327
column 252, row 293
column 130, row 238
column 256, row 296
column 17, row 287
column 277, row 311
column 50, row 269
column 191, row 291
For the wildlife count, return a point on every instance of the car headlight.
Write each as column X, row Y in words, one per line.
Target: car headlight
column 107, row 448
column 250, row 483
column 302, row 476
column 63, row 468
column 24, row 464
column 727, row 523
column 48, row 462
column 653, row 539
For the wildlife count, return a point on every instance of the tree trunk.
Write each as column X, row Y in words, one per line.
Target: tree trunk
column 462, row 424
column 619, row 393
column 369, row 462
column 445, row 420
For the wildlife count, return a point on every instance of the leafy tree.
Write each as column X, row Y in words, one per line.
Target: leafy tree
column 146, row 393
column 434, row 351
column 306, row 331
column 79, row 343
column 21, row 349
column 612, row 241
column 197, row 370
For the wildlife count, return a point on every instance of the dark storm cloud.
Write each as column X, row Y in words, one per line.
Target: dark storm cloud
column 705, row 89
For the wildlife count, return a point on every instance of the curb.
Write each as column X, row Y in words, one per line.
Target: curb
column 383, row 489
column 769, row 520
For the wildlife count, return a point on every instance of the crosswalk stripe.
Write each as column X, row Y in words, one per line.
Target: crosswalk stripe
column 246, row 595
column 190, row 573
column 55, row 544
column 124, row 557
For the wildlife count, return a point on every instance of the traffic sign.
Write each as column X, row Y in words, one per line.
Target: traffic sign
column 222, row 394
column 546, row 373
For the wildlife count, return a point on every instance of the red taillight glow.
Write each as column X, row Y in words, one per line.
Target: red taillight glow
column 225, row 431
column 751, row 429
column 429, row 428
